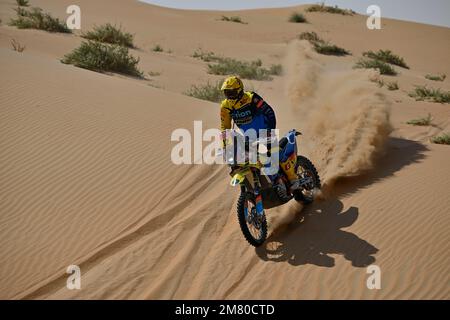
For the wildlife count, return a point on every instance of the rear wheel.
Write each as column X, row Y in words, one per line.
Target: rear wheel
column 253, row 226
column 306, row 171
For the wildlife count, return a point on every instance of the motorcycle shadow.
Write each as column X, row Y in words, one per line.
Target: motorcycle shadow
column 313, row 239
column 319, row 235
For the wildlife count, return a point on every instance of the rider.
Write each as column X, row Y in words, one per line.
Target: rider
column 249, row 111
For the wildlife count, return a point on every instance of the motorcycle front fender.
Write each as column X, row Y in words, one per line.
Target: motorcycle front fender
column 240, row 177
column 237, row 179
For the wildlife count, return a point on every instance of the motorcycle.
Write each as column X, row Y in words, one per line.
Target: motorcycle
column 260, row 191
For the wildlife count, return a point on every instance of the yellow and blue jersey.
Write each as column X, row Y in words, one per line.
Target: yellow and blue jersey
column 249, row 112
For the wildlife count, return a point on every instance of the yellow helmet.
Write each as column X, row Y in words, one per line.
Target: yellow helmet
column 233, row 88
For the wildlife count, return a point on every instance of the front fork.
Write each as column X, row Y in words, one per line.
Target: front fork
column 257, row 193
column 258, row 196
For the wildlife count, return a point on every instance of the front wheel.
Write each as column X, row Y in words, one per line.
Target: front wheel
column 306, row 171
column 253, row 226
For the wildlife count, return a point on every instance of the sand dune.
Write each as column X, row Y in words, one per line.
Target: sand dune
column 86, row 176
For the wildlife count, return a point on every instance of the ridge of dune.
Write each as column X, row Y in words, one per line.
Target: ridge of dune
column 86, row 176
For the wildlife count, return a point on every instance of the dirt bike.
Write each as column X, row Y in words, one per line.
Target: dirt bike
column 260, row 192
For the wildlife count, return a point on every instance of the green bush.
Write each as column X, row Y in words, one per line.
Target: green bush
column 109, row 33
column 323, row 8
column 102, row 57
column 442, row 139
column 310, row 36
column 206, row 56
column 422, row 93
column 421, row 121
column 383, row 68
column 209, row 92
column 244, row 69
column 233, row 19
column 157, row 48
column 329, row 49
column 22, row 12
column 322, row 47
column 386, row 56
column 436, row 77
column 22, row 3
column 392, row 86
column 35, row 18
column 297, row 18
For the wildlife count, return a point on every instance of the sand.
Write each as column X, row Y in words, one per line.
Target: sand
column 86, row 176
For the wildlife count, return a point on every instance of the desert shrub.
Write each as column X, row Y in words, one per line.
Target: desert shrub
column 244, row 69
column 21, row 12
column 207, row 56
column 422, row 93
column 321, row 46
column 22, row 3
column 421, row 121
column 323, row 8
column 436, row 77
column 381, row 66
column 17, row 46
column 386, row 56
column 157, row 48
column 233, row 19
column 109, row 33
column 35, row 18
column 297, row 18
column 392, row 86
column 329, row 49
column 208, row 91
column 102, row 57
column 310, row 36
column 389, row 85
column 442, row 139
